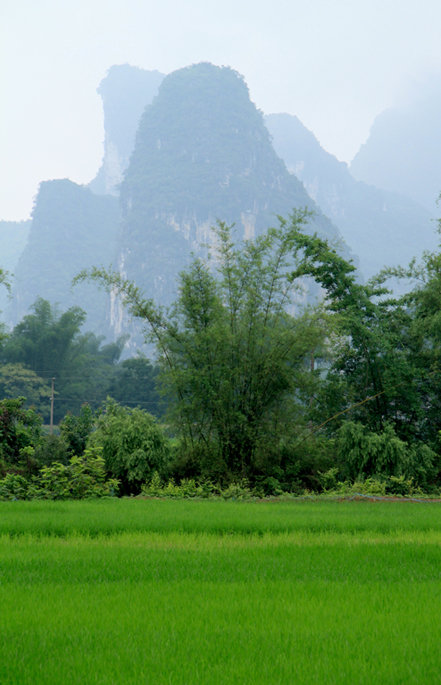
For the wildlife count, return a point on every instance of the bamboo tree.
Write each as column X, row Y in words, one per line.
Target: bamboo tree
column 231, row 354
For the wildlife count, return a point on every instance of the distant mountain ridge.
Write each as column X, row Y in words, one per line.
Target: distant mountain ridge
column 403, row 150
column 383, row 228
column 201, row 153
column 182, row 151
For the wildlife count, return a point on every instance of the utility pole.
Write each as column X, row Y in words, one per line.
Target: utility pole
column 51, row 429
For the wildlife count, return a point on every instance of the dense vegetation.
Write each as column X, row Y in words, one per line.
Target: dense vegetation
column 48, row 345
column 46, row 360
column 260, row 391
column 342, row 392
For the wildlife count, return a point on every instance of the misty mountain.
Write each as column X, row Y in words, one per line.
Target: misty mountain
column 125, row 92
column 381, row 227
column 403, row 150
column 202, row 153
column 71, row 229
column 13, row 238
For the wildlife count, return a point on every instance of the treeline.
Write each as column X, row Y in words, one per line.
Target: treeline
column 49, row 346
column 261, row 390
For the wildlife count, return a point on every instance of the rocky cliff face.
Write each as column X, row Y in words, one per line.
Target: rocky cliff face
column 202, row 153
column 125, row 93
column 381, row 227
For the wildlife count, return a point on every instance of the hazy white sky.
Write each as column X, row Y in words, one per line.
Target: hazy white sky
column 334, row 63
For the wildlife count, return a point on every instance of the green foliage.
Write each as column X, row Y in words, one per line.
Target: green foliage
column 399, row 485
column 303, row 457
column 133, row 444
column 20, row 433
column 328, row 479
column 14, row 486
column 75, row 430
column 42, row 340
column 134, row 384
column 376, row 486
column 46, row 345
column 233, row 360
column 423, row 466
column 367, row 359
column 385, row 361
column 16, row 380
column 363, row 453
column 83, row 477
column 189, row 488
column 250, row 386
column 51, row 448
column 186, row 489
column 195, row 488
column 238, row 491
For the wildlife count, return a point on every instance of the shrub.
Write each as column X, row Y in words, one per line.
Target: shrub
column 133, row 445
column 83, row 477
column 186, row 489
column 399, row 485
column 189, row 488
column 13, row 486
column 363, row 454
column 20, row 433
column 76, row 429
column 239, row 490
column 329, row 479
column 51, row 448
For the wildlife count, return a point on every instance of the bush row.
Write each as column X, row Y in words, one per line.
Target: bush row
column 82, row 477
column 126, row 451
column 85, row 477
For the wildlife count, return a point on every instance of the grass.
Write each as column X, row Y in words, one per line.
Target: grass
column 176, row 592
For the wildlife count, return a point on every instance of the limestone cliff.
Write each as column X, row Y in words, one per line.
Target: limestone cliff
column 125, row 92
column 201, row 153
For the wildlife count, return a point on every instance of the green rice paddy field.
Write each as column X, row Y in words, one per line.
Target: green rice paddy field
column 149, row 591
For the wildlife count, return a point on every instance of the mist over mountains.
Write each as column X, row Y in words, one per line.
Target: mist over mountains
column 71, row 229
column 13, row 238
column 383, row 228
column 125, row 92
column 180, row 152
column 403, row 151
